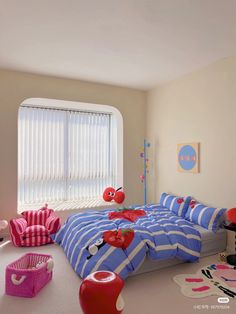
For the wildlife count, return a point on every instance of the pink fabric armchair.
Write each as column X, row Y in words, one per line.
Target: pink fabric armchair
column 34, row 227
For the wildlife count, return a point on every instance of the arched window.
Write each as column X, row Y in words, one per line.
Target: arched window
column 68, row 152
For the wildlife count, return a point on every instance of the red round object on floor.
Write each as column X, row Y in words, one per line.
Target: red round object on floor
column 100, row 293
column 231, row 215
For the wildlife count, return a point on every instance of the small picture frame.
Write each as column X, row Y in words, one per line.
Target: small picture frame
column 188, row 157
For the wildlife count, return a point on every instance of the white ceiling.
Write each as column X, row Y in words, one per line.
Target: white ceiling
column 134, row 43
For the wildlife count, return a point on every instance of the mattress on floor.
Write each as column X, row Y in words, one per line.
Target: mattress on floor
column 212, row 243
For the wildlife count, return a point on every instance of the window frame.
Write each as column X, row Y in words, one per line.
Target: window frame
column 81, row 106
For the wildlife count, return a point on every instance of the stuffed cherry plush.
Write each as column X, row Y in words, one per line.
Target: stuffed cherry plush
column 119, row 196
column 110, row 194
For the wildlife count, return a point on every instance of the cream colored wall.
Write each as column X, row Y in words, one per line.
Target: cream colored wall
column 199, row 107
column 17, row 86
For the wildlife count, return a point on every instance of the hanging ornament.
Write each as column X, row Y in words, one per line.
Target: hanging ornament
column 142, row 177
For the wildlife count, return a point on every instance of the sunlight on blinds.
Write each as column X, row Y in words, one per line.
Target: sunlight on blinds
column 64, row 155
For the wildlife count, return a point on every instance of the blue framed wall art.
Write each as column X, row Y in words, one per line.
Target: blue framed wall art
column 188, row 157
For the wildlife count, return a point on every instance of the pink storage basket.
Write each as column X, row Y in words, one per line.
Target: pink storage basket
column 26, row 276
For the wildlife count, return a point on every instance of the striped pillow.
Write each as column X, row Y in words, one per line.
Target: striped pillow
column 207, row 217
column 178, row 205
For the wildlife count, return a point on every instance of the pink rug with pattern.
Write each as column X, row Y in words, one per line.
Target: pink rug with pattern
column 216, row 279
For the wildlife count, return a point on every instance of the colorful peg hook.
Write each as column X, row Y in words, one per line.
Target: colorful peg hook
column 143, row 177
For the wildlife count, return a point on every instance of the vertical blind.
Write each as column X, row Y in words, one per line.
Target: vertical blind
column 64, row 155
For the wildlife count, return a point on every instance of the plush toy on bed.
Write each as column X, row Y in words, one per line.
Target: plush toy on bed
column 110, row 194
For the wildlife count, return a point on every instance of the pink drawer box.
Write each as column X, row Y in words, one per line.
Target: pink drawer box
column 26, row 276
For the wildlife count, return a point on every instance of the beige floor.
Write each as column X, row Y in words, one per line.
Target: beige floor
column 149, row 293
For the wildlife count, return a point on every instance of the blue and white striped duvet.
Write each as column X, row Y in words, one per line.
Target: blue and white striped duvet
column 159, row 235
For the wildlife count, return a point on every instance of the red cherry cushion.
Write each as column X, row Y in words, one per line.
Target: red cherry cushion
column 128, row 214
column 108, row 194
column 120, row 238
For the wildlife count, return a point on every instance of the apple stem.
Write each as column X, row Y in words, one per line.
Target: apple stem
column 119, row 189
